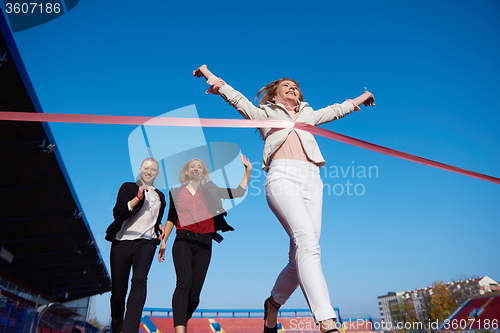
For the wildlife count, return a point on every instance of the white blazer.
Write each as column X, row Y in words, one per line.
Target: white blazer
column 274, row 137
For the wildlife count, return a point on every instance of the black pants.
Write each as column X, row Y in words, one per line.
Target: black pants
column 191, row 253
column 138, row 255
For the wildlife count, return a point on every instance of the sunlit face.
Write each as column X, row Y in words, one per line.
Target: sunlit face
column 195, row 170
column 149, row 171
column 289, row 92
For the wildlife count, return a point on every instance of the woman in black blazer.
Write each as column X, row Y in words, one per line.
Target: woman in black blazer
column 135, row 234
column 196, row 211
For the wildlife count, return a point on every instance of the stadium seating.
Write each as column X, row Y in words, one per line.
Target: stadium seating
column 240, row 325
column 245, row 321
column 166, row 325
column 253, row 325
column 297, row 324
column 492, row 310
column 477, row 313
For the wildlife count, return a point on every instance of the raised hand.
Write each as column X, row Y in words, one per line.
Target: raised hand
column 370, row 100
column 202, row 71
column 246, row 162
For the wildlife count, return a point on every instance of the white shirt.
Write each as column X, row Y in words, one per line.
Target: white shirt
column 142, row 224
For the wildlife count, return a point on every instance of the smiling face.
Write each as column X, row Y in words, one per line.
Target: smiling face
column 195, row 170
column 269, row 91
column 149, row 171
column 289, row 91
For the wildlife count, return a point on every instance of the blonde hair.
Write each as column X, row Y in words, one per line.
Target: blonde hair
column 268, row 92
column 183, row 177
column 151, row 159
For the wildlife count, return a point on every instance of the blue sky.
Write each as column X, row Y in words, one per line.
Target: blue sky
column 432, row 66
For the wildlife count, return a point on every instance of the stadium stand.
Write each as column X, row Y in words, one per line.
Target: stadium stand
column 166, row 325
column 479, row 313
column 492, row 310
column 147, row 325
column 297, row 324
column 238, row 325
column 163, row 324
column 199, row 325
column 243, row 321
column 48, row 254
column 216, row 326
column 248, row 325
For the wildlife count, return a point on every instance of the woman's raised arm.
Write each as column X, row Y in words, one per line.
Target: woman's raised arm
column 202, row 71
column 248, row 171
column 366, row 99
column 233, row 97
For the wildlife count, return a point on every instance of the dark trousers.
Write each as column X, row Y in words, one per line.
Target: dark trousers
column 191, row 253
column 138, row 255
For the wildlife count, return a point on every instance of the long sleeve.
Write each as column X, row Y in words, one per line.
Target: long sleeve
column 332, row 112
column 121, row 211
column 230, row 193
column 161, row 212
column 126, row 193
column 172, row 211
column 241, row 103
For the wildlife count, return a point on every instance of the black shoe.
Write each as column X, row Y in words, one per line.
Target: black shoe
column 269, row 329
column 332, row 330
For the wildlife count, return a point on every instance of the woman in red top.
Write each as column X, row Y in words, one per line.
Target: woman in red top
column 196, row 211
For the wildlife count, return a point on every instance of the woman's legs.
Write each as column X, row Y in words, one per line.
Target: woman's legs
column 191, row 255
column 295, row 196
column 271, row 309
column 182, row 256
column 121, row 262
column 138, row 255
column 180, row 329
column 141, row 263
column 201, row 261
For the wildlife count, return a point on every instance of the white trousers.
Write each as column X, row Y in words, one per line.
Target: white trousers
column 294, row 192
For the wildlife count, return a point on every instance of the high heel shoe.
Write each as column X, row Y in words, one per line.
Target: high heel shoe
column 269, row 329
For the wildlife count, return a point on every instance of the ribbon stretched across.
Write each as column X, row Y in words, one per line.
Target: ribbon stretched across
column 392, row 152
column 235, row 123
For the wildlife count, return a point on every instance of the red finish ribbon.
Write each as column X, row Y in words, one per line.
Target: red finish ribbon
column 235, row 123
column 392, row 152
column 133, row 120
